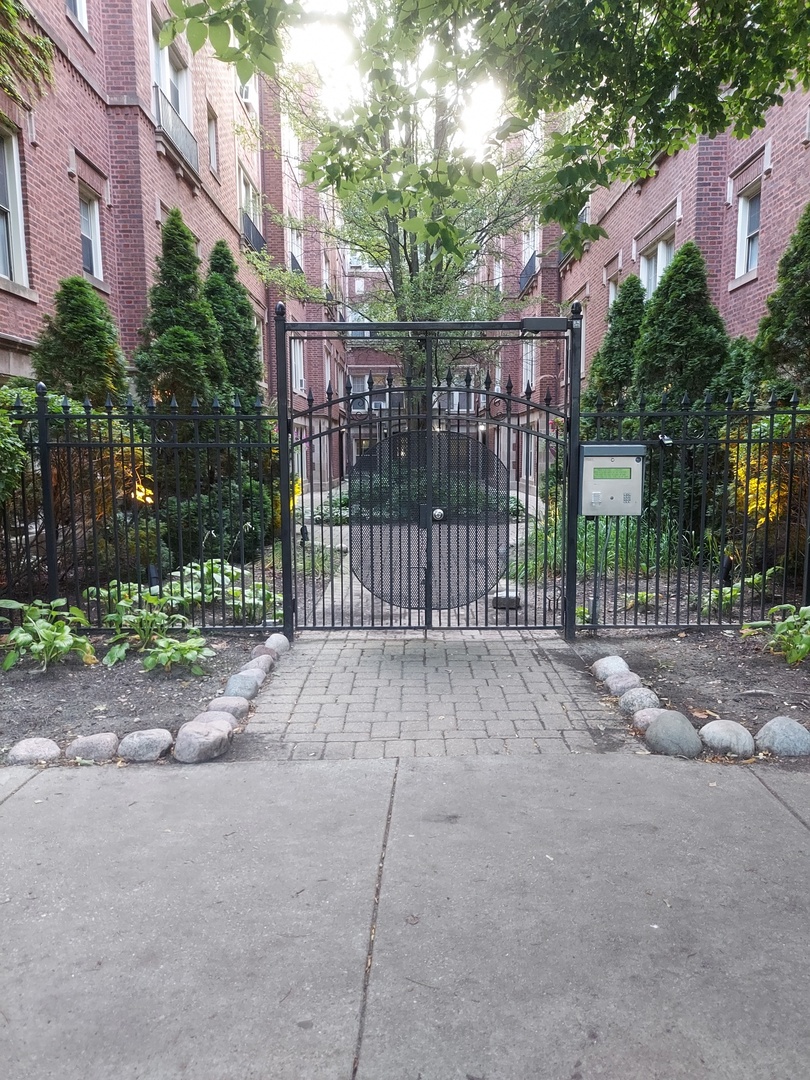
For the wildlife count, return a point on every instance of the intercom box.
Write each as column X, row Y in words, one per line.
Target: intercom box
column 611, row 479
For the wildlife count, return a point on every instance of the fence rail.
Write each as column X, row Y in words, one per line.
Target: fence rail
column 118, row 504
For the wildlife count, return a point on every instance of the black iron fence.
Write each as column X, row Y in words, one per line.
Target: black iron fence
column 723, row 533
column 117, row 505
column 195, row 509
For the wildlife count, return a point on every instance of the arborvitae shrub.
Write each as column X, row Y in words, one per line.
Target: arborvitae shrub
column 233, row 311
column 682, row 344
column 611, row 370
column 182, row 353
column 78, row 352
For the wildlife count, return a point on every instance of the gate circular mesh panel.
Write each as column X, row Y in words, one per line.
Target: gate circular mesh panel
column 395, row 489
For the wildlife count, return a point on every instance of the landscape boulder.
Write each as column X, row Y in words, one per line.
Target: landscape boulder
column 640, row 697
column 672, row 734
column 728, row 737
column 146, row 745
column 101, row 747
column 244, row 684
column 608, row 665
column 199, row 741
column 644, row 717
column 238, row 707
column 32, row 751
column 621, row 682
column 784, row 736
column 279, row 643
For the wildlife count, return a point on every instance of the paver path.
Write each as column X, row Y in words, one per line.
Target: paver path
column 373, row 694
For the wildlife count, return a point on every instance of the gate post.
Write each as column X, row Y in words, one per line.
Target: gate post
column 284, row 493
column 572, row 471
column 48, row 516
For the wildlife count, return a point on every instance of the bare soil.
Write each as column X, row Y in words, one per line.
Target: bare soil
column 710, row 675
column 73, row 698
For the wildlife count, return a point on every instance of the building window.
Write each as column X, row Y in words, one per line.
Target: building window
column 78, row 9
column 259, row 324
column 296, row 239
column 91, row 234
column 213, row 150
column 171, row 77
column 654, row 262
column 613, row 290
column 249, row 201
column 748, row 231
column 12, row 237
column 528, row 365
column 359, row 286
column 528, row 452
column 297, row 364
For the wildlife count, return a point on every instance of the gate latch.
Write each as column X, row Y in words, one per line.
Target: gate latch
column 438, row 514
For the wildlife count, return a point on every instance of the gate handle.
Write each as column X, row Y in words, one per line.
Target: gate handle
column 438, row 514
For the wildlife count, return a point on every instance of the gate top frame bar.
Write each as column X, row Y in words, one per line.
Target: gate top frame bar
column 539, row 325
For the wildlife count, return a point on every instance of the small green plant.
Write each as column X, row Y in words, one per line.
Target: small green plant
column 167, row 651
column 47, row 633
column 140, row 624
column 723, row 598
column 791, row 636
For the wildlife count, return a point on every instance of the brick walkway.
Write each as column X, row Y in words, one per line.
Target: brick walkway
column 371, row 694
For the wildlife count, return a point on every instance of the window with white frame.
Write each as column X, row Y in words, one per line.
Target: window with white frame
column 297, row 364
column 90, row 232
column 213, row 142
column 78, row 9
column 259, row 324
column 296, row 246
column 171, row 76
column 249, row 201
column 529, row 241
column 497, row 273
column 748, row 206
column 496, row 384
column 613, row 290
column 12, row 235
column 528, row 363
column 654, row 262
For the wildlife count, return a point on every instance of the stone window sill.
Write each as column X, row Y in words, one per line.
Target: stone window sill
column 19, row 290
column 97, row 283
column 744, row 279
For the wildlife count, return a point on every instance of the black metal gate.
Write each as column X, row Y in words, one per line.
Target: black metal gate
column 429, row 496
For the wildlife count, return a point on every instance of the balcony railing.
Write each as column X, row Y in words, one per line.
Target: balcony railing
column 251, row 233
column 528, row 272
column 173, row 127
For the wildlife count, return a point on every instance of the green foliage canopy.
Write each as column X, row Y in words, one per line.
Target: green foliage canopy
column 634, row 81
column 78, row 352
column 25, row 58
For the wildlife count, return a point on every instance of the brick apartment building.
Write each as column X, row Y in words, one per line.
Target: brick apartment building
column 738, row 199
column 126, row 132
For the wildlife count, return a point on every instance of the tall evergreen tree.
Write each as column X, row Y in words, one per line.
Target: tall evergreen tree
column 182, row 352
column 784, row 333
column 78, row 352
column 682, row 343
column 233, row 311
column 611, row 370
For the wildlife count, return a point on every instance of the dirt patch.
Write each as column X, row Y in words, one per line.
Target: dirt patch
column 717, row 674
column 72, row 698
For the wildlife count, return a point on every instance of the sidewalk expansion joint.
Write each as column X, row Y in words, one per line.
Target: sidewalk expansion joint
column 787, row 807
column 19, row 787
column 372, row 934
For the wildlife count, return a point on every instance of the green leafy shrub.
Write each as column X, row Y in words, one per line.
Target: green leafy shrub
column 232, row 308
column 140, row 623
column 168, row 651
column 78, row 352
column 46, row 632
column 234, row 522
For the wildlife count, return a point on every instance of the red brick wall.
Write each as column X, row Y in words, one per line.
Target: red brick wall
column 699, row 178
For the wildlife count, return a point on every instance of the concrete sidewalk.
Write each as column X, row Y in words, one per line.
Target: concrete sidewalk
column 546, row 917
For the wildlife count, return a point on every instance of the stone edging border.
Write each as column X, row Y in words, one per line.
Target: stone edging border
column 204, row 738
column 667, row 731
